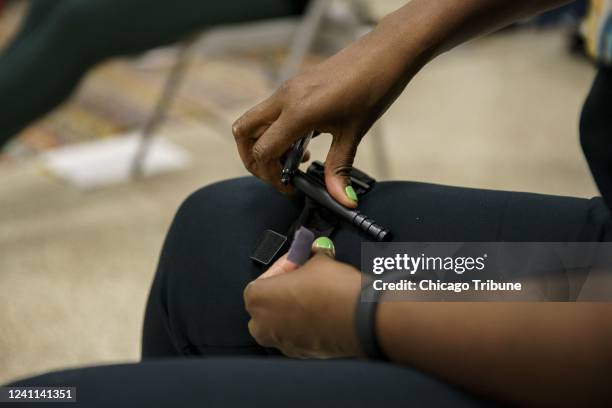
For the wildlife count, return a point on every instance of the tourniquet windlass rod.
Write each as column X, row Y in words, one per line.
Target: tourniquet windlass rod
column 316, row 191
column 294, row 158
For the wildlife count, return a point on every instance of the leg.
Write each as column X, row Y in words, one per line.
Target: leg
column 53, row 53
column 189, row 280
column 39, row 10
column 254, row 383
column 196, row 299
column 596, row 132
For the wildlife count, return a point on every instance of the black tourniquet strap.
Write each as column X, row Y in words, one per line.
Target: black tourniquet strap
column 314, row 216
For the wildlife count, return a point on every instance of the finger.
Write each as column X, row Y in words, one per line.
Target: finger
column 270, row 147
column 277, row 139
column 279, row 267
column 257, row 118
column 338, row 167
column 256, row 331
column 250, row 127
column 325, row 246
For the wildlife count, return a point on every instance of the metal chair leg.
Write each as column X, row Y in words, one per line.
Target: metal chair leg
column 169, row 92
column 379, row 150
column 377, row 134
column 304, row 38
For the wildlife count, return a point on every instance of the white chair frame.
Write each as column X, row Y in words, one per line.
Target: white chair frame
column 301, row 45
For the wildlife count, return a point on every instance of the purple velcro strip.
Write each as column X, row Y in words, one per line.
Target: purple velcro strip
column 301, row 246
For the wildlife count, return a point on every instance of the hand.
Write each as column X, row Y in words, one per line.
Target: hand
column 306, row 312
column 343, row 96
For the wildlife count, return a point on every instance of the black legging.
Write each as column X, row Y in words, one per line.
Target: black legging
column 195, row 307
column 61, row 40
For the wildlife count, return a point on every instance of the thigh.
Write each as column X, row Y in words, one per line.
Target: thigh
column 420, row 212
column 196, row 307
column 255, row 383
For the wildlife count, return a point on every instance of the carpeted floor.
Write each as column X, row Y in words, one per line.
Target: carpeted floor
column 75, row 267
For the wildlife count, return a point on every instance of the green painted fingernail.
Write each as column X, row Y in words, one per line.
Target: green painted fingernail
column 324, row 243
column 350, row 193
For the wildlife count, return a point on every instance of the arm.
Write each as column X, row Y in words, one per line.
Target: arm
column 552, row 354
column 525, row 353
column 348, row 92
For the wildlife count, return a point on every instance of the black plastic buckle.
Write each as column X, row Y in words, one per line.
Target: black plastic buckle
column 271, row 242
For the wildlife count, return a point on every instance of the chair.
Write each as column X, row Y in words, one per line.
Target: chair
column 302, row 43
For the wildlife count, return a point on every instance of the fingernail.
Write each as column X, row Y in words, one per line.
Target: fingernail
column 324, row 243
column 350, row 193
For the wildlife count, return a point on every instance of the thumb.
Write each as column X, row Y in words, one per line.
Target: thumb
column 324, row 246
column 282, row 265
column 321, row 245
column 338, row 167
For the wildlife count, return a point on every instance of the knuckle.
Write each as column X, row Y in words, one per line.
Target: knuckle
column 259, row 334
column 251, row 166
column 260, row 152
column 286, row 86
column 294, row 109
column 319, row 259
column 254, row 329
column 293, row 93
column 238, row 129
column 248, row 297
column 342, row 168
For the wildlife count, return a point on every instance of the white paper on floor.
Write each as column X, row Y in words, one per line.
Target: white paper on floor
column 109, row 161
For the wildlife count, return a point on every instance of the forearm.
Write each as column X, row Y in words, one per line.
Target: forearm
column 386, row 59
column 527, row 353
column 423, row 29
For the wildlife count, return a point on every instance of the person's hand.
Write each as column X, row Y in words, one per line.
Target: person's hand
column 343, row 96
column 306, row 312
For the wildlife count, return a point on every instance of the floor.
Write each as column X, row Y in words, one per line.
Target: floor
column 75, row 266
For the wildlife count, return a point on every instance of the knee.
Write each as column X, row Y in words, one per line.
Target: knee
column 228, row 214
column 205, row 263
column 223, row 201
column 223, row 221
column 595, row 128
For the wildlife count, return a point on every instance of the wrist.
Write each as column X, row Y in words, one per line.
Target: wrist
column 368, row 319
column 410, row 35
column 351, row 343
column 341, row 313
column 384, row 320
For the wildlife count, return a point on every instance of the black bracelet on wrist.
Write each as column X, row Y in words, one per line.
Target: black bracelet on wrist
column 365, row 319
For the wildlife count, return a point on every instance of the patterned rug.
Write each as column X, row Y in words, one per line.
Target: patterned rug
column 120, row 95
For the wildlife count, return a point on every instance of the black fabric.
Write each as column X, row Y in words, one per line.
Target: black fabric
column 320, row 220
column 195, row 307
column 253, row 383
column 596, row 132
column 61, row 40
